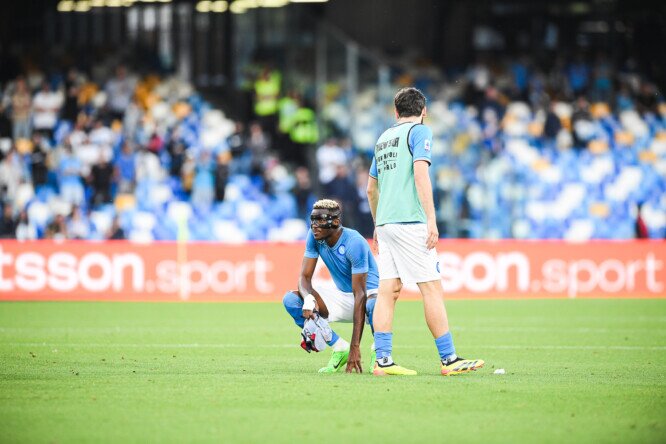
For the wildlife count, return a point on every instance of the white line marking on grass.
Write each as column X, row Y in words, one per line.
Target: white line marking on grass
column 269, row 346
column 188, row 330
column 576, row 347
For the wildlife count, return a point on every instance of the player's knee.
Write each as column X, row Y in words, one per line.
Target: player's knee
column 391, row 288
column 370, row 306
column 294, row 306
column 370, row 309
column 395, row 291
column 291, row 299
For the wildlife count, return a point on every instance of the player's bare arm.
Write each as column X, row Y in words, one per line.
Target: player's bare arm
column 373, row 199
column 360, row 297
column 424, row 191
column 305, row 287
column 372, row 191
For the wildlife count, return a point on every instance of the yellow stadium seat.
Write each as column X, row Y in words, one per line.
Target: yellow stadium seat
column 599, row 209
column 598, row 146
column 152, row 81
column 24, row 146
column 87, row 92
column 624, row 138
column 461, row 143
column 540, row 164
column 125, row 202
column 647, row 156
column 181, row 109
column 600, row 110
column 535, row 129
column 566, row 123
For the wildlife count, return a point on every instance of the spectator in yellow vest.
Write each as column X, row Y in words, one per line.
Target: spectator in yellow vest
column 287, row 108
column 267, row 91
column 304, row 130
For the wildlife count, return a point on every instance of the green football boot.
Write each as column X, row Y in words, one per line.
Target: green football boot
column 336, row 363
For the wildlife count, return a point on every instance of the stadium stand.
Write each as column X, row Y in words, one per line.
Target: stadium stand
column 149, row 159
column 528, row 157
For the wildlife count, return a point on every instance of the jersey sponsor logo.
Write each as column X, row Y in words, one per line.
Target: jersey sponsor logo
column 342, row 249
column 426, row 145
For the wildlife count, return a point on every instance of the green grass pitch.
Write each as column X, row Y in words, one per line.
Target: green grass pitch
column 576, row 371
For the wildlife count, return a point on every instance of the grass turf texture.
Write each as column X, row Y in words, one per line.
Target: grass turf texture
column 577, row 371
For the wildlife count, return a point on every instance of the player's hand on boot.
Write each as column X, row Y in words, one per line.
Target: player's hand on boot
column 354, row 360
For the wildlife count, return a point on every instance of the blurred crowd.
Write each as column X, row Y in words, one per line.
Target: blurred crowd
column 575, row 151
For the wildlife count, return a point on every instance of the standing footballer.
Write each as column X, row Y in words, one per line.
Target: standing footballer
column 401, row 201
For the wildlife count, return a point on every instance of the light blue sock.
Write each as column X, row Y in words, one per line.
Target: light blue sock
column 445, row 346
column 333, row 340
column 383, row 344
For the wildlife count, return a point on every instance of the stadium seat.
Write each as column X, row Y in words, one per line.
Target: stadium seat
column 580, row 230
column 248, row 212
column 228, row 231
column 141, row 236
column 125, row 202
column 179, row 211
column 39, row 213
column 290, row 230
column 59, row 206
column 143, row 220
column 101, row 221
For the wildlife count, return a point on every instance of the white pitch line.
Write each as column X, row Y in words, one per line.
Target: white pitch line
column 479, row 328
column 575, row 347
column 582, row 330
column 269, row 346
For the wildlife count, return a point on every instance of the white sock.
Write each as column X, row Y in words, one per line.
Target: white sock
column 385, row 362
column 449, row 359
column 340, row 345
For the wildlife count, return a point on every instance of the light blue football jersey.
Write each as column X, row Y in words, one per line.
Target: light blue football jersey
column 350, row 255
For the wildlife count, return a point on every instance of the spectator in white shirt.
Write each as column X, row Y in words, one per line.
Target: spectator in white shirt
column 329, row 157
column 11, row 174
column 46, row 107
column 78, row 225
column 147, row 166
column 119, row 91
column 25, row 230
column 102, row 135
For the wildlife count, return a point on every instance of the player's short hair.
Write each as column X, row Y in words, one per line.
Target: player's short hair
column 409, row 102
column 326, row 204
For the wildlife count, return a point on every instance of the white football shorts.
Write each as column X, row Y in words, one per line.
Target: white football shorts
column 340, row 305
column 403, row 254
